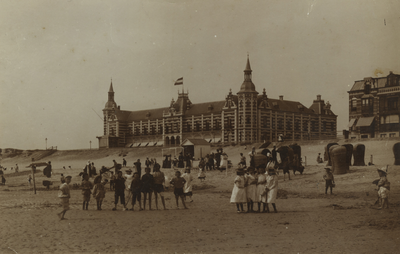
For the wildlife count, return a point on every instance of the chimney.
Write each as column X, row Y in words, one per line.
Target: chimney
column 318, row 97
column 281, row 97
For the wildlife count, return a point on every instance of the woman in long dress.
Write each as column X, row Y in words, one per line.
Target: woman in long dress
column 239, row 191
column 271, row 188
column 224, row 162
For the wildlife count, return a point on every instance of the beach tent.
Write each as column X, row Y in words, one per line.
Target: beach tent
column 198, row 148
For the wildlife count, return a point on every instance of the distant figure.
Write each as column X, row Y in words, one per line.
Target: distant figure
column 93, row 169
column 280, row 138
column 3, row 180
column 86, row 191
column 383, row 188
column 123, row 162
column 30, row 179
column 187, row 188
column 156, row 166
column 251, row 155
column 16, row 168
column 319, row 159
column 329, row 180
column 62, row 179
column 99, row 191
column 242, row 161
column 87, row 168
column 202, row 170
column 138, row 166
column 64, row 196
column 147, row 162
column 47, row 171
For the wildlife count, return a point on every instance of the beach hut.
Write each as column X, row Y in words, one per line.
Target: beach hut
column 327, row 155
column 338, row 156
column 197, row 148
column 358, row 155
column 396, row 152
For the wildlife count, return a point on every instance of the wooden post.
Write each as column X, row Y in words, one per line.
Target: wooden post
column 33, row 178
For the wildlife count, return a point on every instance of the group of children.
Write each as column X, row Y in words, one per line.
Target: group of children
column 255, row 187
column 136, row 185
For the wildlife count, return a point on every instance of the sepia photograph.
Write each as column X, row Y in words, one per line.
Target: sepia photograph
column 187, row 126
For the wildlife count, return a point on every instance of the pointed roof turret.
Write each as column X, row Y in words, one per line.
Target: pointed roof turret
column 247, row 86
column 110, row 104
column 111, row 88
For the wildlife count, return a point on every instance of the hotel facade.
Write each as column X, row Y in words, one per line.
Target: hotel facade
column 241, row 118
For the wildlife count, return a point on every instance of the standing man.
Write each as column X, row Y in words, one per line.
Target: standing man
column 123, row 162
column 274, row 154
column 159, row 181
column 16, row 168
column 138, row 166
column 218, row 158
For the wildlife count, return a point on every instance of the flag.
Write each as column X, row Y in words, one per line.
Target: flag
column 179, row 81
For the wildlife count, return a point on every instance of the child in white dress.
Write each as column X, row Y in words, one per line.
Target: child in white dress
column 239, row 191
column 271, row 188
column 251, row 189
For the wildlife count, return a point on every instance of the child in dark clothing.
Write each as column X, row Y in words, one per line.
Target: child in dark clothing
column 178, row 182
column 119, row 183
column 86, row 190
column 112, row 180
column 136, row 188
column 147, row 187
column 329, row 180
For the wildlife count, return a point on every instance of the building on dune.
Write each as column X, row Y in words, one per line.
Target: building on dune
column 244, row 117
column 374, row 108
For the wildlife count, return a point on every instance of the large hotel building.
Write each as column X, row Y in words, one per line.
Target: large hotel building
column 244, row 117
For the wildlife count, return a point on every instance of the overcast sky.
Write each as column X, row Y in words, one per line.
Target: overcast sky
column 57, row 57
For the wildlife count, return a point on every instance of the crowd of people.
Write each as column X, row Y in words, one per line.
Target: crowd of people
column 255, row 186
column 132, row 187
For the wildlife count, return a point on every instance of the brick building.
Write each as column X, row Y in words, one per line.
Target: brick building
column 374, row 107
column 244, row 117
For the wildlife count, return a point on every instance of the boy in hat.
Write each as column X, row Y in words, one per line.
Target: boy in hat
column 64, row 196
column 329, row 180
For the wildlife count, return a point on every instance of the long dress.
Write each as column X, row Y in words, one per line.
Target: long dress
column 251, row 189
column 272, row 185
column 239, row 192
column 261, row 181
column 224, row 162
column 187, row 188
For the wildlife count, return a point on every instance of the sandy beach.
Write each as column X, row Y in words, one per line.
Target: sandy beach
column 308, row 221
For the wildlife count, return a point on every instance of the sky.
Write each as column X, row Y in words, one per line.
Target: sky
column 57, row 58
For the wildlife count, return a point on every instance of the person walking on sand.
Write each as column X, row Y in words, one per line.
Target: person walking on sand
column 119, row 183
column 238, row 196
column 271, row 188
column 187, row 188
column 329, row 180
column 147, row 187
column 178, row 182
column 123, row 162
column 99, row 191
column 86, row 191
column 16, row 168
column 158, row 187
column 64, row 196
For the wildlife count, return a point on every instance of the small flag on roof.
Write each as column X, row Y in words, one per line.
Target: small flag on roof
column 179, row 81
